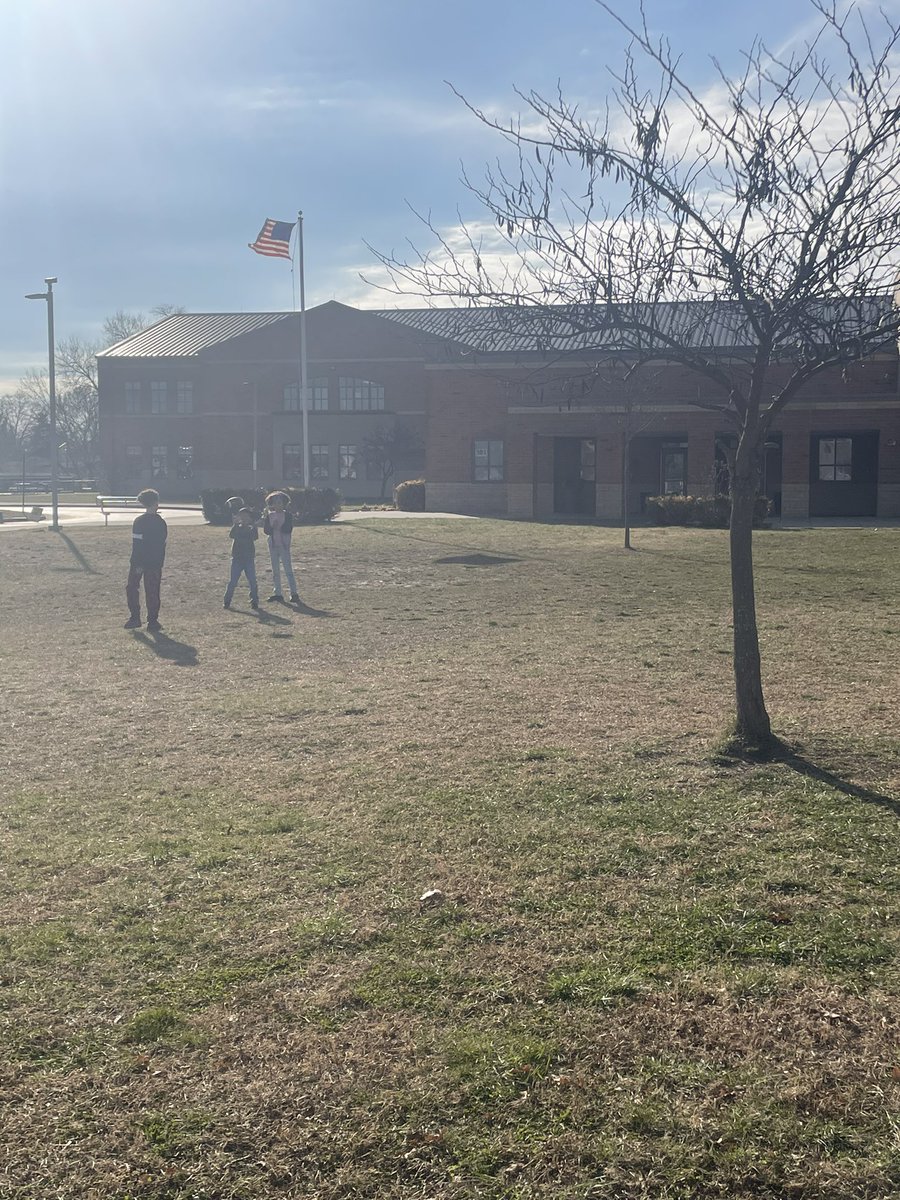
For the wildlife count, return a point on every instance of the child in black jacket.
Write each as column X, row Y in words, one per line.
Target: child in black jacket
column 243, row 556
column 148, row 552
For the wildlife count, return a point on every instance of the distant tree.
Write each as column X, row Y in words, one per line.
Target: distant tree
column 775, row 194
column 386, row 449
column 17, row 416
column 123, row 324
column 77, row 416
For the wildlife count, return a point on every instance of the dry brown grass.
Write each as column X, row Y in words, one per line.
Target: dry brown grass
column 653, row 975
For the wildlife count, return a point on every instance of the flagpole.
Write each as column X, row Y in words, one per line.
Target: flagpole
column 304, row 403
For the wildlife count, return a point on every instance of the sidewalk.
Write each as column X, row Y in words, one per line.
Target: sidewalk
column 88, row 514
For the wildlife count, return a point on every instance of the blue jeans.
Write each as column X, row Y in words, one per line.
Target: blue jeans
column 281, row 557
column 238, row 569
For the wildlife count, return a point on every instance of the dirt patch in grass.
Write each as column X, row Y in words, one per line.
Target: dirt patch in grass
column 651, row 974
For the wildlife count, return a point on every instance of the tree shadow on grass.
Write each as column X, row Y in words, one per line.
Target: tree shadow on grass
column 180, row 653
column 83, row 564
column 791, row 757
column 433, row 541
column 478, row 560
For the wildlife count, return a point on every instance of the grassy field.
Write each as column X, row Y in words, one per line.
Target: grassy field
column 654, row 973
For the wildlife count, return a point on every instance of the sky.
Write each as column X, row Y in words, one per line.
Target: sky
column 144, row 142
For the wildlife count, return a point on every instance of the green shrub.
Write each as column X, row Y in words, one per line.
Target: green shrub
column 708, row 512
column 409, row 496
column 309, row 506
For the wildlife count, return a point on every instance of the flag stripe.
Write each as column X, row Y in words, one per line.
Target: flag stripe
column 274, row 239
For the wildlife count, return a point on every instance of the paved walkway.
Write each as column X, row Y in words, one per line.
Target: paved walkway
column 88, row 514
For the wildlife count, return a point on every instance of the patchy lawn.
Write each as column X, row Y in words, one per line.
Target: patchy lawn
column 653, row 974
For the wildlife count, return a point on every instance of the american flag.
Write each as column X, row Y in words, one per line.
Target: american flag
column 274, row 239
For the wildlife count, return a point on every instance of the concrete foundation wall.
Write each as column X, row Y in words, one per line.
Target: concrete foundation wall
column 889, row 500
column 486, row 500
column 609, row 501
column 520, row 499
column 795, row 501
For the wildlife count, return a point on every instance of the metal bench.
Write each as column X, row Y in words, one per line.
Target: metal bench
column 108, row 504
column 15, row 514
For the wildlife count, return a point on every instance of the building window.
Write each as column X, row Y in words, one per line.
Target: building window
column 319, row 467
column 673, row 469
column 185, row 462
column 361, row 395
column 159, row 462
column 318, row 392
column 836, row 459
column 347, row 457
column 184, row 396
column 488, row 461
column 134, row 460
column 132, row 397
column 159, row 397
column 291, row 462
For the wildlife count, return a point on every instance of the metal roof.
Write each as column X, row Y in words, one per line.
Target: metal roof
column 183, row 335
column 578, row 328
column 521, row 329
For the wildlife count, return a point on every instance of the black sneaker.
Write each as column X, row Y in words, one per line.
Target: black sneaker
column 227, row 604
column 154, row 626
column 276, row 596
column 295, row 599
column 133, row 623
column 254, row 604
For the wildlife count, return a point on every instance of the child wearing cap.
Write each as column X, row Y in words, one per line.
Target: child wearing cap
column 278, row 524
column 243, row 555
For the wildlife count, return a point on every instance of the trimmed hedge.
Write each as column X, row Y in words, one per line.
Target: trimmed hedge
column 409, row 496
column 309, row 506
column 707, row 512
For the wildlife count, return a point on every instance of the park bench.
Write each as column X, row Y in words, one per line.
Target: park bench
column 108, row 504
column 14, row 514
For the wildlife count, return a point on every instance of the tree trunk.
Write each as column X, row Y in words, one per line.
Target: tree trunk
column 752, row 727
column 626, row 449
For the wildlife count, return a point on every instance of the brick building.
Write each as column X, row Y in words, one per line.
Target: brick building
column 498, row 418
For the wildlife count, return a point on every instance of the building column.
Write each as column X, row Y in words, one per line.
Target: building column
column 795, row 476
column 519, row 470
column 889, row 468
column 701, row 461
column 610, row 460
column 543, row 476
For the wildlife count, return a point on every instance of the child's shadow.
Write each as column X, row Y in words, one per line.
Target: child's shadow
column 307, row 610
column 180, row 653
column 269, row 618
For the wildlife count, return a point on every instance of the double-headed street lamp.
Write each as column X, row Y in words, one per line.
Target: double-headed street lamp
column 54, row 468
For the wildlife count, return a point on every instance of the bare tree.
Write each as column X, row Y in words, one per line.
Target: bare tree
column 123, row 324
column 17, row 416
column 78, row 418
column 386, row 449
column 768, row 205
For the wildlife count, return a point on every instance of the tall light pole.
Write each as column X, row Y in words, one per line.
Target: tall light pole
column 51, row 351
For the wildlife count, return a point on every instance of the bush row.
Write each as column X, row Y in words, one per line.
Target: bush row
column 709, row 512
column 409, row 496
column 309, row 506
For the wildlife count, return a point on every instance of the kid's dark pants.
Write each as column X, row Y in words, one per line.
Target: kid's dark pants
column 152, row 579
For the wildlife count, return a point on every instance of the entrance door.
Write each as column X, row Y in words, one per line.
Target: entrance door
column 843, row 470
column 574, row 476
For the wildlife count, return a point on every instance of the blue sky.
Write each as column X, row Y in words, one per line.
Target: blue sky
column 143, row 142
